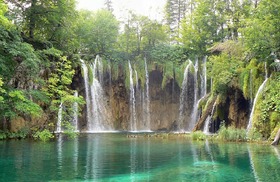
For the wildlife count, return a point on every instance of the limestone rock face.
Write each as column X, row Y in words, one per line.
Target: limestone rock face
column 164, row 105
column 20, row 123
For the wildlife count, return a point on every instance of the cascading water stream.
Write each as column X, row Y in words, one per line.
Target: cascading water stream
column 96, row 106
column 249, row 126
column 136, row 82
column 195, row 104
column 75, row 113
column 203, row 93
column 183, row 98
column 148, row 116
column 86, row 82
column 204, row 81
column 59, row 119
column 133, row 126
column 208, row 120
column 254, row 105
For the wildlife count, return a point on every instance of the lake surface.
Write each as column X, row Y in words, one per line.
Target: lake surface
column 115, row 157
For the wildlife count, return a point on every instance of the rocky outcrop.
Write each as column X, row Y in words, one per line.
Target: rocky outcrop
column 238, row 109
column 207, row 112
column 234, row 111
column 277, row 138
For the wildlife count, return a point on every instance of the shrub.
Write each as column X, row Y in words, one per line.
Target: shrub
column 254, row 135
column 231, row 134
column 3, row 135
column 198, row 135
column 44, row 135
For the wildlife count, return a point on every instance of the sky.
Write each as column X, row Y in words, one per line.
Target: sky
column 151, row 8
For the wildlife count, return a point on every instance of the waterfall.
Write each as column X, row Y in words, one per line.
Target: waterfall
column 86, row 82
column 75, row 113
column 204, row 80
column 208, row 120
column 98, row 69
column 96, row 124
column 183, row 97
column 132, row 101
column 59, row 119
column 206, row 125
column 95, row 103
column 148, row 116
column 195, row 103
column 249, row 126
column 203, row 92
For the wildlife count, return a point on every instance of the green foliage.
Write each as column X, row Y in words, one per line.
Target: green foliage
column 198, row 135
column 274, row 131
column 21, row 134
column 4, row 20
column 69, row 130
column 44, row 135
column 1, row 90
column 254, row 135
column 231, row 134
column 224, row 72
column 17, row 103
column 267, row 111
column 97, row 31
column 168, row 73
column 3, row 135
column 261, row 33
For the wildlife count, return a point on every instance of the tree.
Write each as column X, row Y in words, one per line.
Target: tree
column 98, row 31
column 261, row 32
column 109, row 6
column 175, row 11
column 4, row 20
column 140, row 34
column 48, row 22
column 200, row 29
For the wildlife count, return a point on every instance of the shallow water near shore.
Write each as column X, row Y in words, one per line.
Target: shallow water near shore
column 117, row 157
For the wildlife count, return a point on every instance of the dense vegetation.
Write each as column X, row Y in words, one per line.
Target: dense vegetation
column 41, row 43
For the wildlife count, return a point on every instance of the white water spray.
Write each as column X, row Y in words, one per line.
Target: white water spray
column 59, row 119
column 250, row 124
column 75, row 113
column 96, row 105
column 133, row 126
column 183, row 98
column 195, row 103
column 148, row 116
column 208, row 120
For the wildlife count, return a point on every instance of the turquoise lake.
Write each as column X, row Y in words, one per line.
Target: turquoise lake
column 115, row 157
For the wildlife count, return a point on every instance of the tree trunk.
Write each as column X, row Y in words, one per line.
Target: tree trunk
column 276, row 139
column 32, row 19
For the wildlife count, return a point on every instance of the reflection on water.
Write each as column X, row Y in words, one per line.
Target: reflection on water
column 59, row 153
column 94, row 158
column 277, row 152
column 252, row 164
column 133, row 159
column 114, row 157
